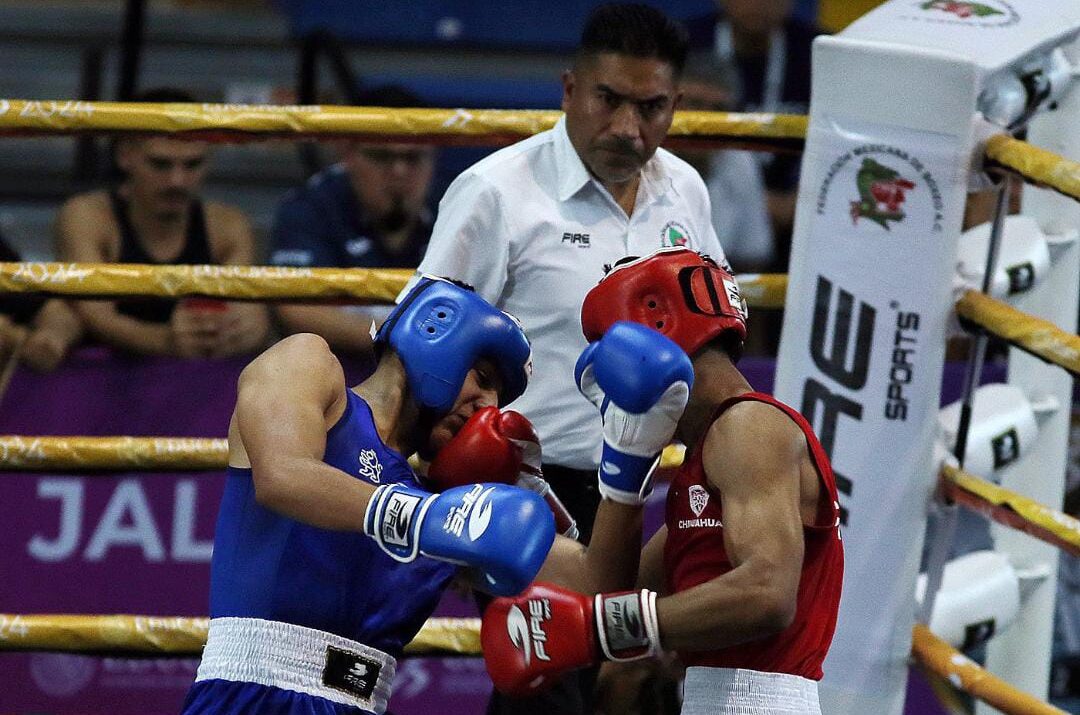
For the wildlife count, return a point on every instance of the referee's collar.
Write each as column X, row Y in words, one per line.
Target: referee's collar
column 573, row 175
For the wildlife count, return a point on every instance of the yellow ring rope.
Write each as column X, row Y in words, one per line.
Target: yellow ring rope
column 763, row 290
column 1036, row 165
column 375, row 285
column 231, row 282
column 239, row 122
column 180, row 635
column 1035, row 335
column 225, row 121
column 26, row 453
column 176, row 635
column 19, row 453
column 939, row 657
column 1012, row 509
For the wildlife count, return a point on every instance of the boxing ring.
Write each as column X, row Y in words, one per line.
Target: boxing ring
column 1035, row 318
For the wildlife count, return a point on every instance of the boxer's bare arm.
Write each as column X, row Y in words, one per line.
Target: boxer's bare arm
column 610, row 561
column 287, row 399
column 651, row 571
column 763, row 534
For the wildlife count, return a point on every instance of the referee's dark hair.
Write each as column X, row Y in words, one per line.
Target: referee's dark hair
column 636, row 30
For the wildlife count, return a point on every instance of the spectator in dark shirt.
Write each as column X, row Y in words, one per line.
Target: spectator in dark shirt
column 370, row 211
column 41, row 330
column 156, row 216
column 732, row 176
column 766, row 51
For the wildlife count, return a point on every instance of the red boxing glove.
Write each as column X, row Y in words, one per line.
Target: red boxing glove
column 531, row 640
column 502, row 447
column 564, row 523
column 489, row 447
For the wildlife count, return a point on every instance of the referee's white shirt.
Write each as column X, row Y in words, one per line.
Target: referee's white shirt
column 532, row 230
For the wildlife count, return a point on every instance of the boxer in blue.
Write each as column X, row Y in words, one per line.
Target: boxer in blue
column 316, row 584
column 330, row 553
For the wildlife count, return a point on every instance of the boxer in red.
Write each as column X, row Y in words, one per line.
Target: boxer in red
column 744, row 579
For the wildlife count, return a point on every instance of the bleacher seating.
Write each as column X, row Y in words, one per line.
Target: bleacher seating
column 453, row 53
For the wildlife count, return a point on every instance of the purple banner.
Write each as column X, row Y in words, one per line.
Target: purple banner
column 141, row 543
column 138, row 543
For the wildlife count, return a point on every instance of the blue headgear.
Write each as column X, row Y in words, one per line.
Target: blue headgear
column 439, row 330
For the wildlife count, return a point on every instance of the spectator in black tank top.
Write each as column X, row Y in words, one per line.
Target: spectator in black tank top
column 155, row 215
column 42, row 331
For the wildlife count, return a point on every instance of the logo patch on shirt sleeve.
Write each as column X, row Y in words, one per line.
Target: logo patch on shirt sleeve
column 350, row 672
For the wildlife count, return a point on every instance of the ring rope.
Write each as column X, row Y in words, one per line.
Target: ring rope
column 226, row 122
column 763, row 290
column 27, row 453
column 382, row 285
column 101, row 280
column 1032, row 334
column 23, row 453
column 244, row 122
column 1039, row 166
column 179, row 636
column 964, row 674
column 1039, row 337
column 182, row 635
column 1011, row 509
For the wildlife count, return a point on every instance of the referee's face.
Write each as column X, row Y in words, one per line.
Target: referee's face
column 618, row 110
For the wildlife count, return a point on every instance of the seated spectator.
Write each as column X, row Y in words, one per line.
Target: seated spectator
column 368, row 211
column 41, row 330
column 156, row 216
column 766, row 53
column 733, row 177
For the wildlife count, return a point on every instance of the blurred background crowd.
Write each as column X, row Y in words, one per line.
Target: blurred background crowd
column 156, row 200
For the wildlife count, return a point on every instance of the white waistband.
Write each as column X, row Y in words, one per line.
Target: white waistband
column 291, row 657
column 731, row 691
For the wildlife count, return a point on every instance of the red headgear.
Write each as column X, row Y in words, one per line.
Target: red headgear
column 675, row 291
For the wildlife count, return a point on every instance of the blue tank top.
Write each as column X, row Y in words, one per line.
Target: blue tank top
column 269, row 566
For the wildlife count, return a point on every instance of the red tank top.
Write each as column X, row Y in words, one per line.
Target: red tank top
column 694, row 553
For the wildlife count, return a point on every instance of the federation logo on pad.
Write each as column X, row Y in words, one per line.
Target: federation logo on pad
column 971, row 13
column 882, row 192
column 961, row 9
column 892, row 187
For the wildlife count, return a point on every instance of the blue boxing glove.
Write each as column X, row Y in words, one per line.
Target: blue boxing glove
column 502, row 531
column 640, row 381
